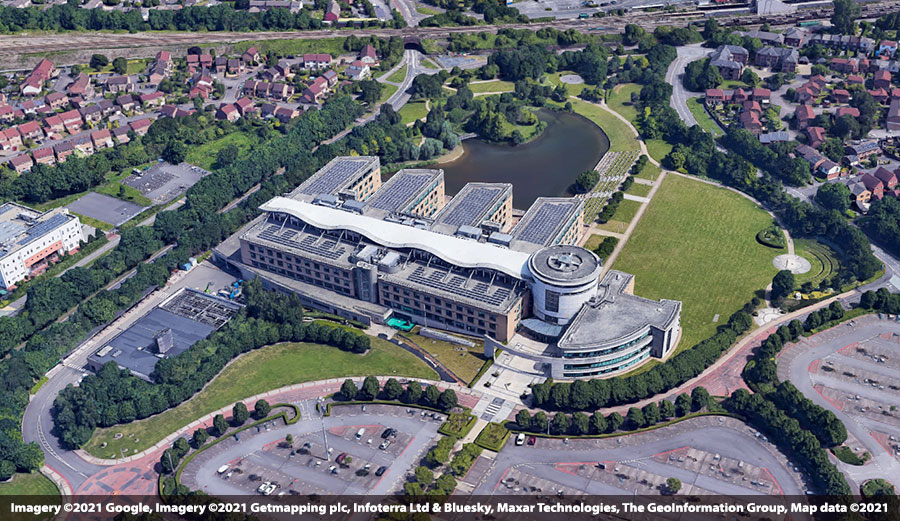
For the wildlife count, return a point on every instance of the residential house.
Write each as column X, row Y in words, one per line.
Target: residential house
column 880, row 95
column 126, row 101
column 715, row 97
column 119, row 84
column 882, row 79
column 154, row 99
column 72, row 121
column 777, row 58
column 729, row 60
column 828, row 169
column 316, row 62
column 285, row 114
column 331, row 78
column 21, row 163
column 267, row 109
column 863, row 149
column 13, row 138
column 874, row 185
column 332, row 12
column 888, row 179
column 887, row 48
column 805, row 116
column 815, row 136
column 63, row 150
column 853, row 112
column 31, row 130
column 234, row 67
column 250, row 56
column 315, row 93
column 108, row 108
column 83, row 144
column 855, row 79
column 805, row 93
column 768, row 38
column 284, row 69
column 861, row 196
column 54, row 124
column 140, row 126
column 780, row 136
column 761, row 95
column 281, row 90
column 7, row 113
column 795, row 37
column 228, row 112
column 368, row 55
column 840, row 96
column 31, row 106
column 41, row 74
column 91, row 113
column 810, row 155
column 358, row 70
column 102, row 139
column 121, row 134
column 740, row 95
column 844, row 65
column 56, row 100
column 245, row 106
column 270, row 74
column 206, row 61
column 44, row 156
column 893, row 115
column 220, row 65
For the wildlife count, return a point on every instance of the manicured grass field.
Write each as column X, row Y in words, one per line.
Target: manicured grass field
column 823, row 260
column 639, row 189
column 398, row 76
column 574, row 89
column 733, row 84
column 703, row 118
column 464, row 361
column 658, row 149
column 594, row 241
column 621, row 137
column 34, row 484
column 412, row 111
column 426, row 11
column 650, row 171
column 620, row 100
column 204, row 155
column 697, row 243
column 623, row 216
column 262, row 370
column 492, row 86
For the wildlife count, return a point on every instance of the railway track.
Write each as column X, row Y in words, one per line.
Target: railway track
column 15, row 45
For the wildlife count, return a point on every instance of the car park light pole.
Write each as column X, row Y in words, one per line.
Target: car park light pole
column 324, row 432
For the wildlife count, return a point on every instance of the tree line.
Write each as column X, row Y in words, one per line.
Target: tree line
column 413, row 393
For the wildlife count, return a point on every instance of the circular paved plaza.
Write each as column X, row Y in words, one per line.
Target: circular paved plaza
column 795, row 263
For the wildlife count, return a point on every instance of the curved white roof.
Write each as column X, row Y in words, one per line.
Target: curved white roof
column 455, row 250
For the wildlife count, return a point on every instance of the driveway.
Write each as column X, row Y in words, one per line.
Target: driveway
column 680, row 95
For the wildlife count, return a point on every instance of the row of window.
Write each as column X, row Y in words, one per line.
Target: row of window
column 447, row 321
column 339, row 286
column 609, row 370
column 612, row 361
column 611, row 350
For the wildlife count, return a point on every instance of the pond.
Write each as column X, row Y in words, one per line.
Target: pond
column 544, row 167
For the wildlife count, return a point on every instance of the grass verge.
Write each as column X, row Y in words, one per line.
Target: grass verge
column 703, row 118
column 492, row 86
column 621, row 137
column 33, row 484
column 458, row 424
column 398, row 75
column 849, row 457
column 463, row 361
column 204, row 155
column 262, row 370
column 492, row 437
column 697, row 243
column 412, row 111
column 619, row 99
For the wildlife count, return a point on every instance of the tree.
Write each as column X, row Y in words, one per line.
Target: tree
column 598, row 423
column 560, row 423
column 614, row 421
column 7, row 469
column 413, row 392
column 369, row 389
column 844, row 17
column 348, row 390
column 782, row 285
column 432, row 395
column 120, row 65
column 262, row 409
column 175, row 152
column 168, row 461
column 289, row 440
column 581, row 424
column 539, row 422
column 227, row 155
column 749, row 77
column 220, row 426
column 424, row 475
column 200, row 437
column 98, row 61
column 834, row 196
column 682, row 405
column 370, row 91
column 635, row 418
column 699, row 398
column 523, row 420
column 239, row 413
column 447, row 400
column 392, row 389
column 666, row 409
column 445, row 484
column 673, row 485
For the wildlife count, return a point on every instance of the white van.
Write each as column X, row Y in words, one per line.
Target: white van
column 520, row 439
column 222, row 469
column 359, row 433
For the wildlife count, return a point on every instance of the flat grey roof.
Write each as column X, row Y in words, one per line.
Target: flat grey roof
column 545, row 220
column 617, row 317
column 472, row 205
column 402, row 190
column 338, row 174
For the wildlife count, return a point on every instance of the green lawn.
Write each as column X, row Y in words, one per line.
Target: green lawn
column 623, row 216
column 639, row 189
column 387, row 92
column 620, row 100
column 464, row 361
column 333, row 46
column 621, row 137
column 124, row 192
column 204, row 155
column 492, row 86
column 426, row 11
column 703, row 118
column 574, row 89
column 733, row 84
column 697, row 243
column 34, row 484
column 594, row 241
column 427, row 63
column 650, row 171
column 96, row 223
column 262, row 370
column 412, row 111
column 399, row 75
column 658, row 149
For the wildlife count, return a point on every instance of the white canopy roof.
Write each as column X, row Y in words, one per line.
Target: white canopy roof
column 455, row 250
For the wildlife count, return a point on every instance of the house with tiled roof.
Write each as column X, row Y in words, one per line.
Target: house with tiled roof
column 729, row 60
column 63, row 150
column 140, row 126
column 777, row 58
column 874, row 185
column 21, row 163
column 840, row 96
column 228, row 112
column 853, row 112
column 805, row 116
column 102, row 139
column 56, row 100
column 882, row 79
column 245, row 106
column 316, row 61
column 44, row 156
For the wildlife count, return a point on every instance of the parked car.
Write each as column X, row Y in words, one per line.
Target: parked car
column 381, row 470
column 532, row 440
column 388, row 433
column 385, row 444
column 520, row 439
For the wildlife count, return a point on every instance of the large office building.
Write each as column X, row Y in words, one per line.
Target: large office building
column 30, row 240
column 350, row 245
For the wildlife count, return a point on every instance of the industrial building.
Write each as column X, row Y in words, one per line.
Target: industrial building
column 30, row 240
column 347, row 244
column 168, row 330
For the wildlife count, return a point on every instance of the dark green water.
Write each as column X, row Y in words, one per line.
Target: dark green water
column 546, row 166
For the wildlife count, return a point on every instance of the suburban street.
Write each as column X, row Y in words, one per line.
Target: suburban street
column 680, row 95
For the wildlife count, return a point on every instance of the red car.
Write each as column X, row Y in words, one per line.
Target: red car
column 532, row 440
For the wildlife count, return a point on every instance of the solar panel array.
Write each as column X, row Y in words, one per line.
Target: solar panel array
column 332, row 177
column 391, row 198
column 470, row 211
column 457, row 286
column 44, row 227
column 286, row 238
column 541, row 227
